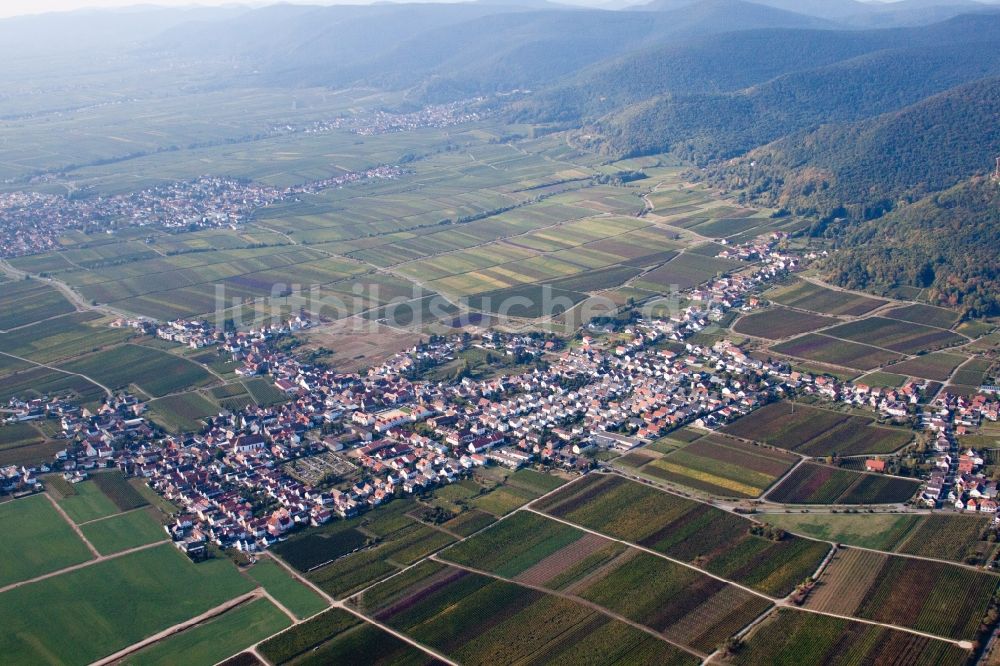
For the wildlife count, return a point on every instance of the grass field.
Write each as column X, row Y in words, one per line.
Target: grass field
column 722, row 466
column 183, row 412
column 124, row 599
column 37, row 540
column 217, row 639
column 292, row 594
column 717, row 541
column 87, row 503
column 124, row 531
column 116, row 488
column 821, row 484
column 794, row 637
column 15, row 435
column 780, row 323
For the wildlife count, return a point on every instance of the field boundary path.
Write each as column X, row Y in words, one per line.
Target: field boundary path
column 76, row 528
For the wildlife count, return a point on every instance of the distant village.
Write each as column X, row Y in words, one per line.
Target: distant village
column 345, row 442
column 31, row 222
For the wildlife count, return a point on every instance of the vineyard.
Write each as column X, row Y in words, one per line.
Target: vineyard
column 475, row 619
column 811, row 483
column 938, row 598
column 714, row 540
column 795, row 637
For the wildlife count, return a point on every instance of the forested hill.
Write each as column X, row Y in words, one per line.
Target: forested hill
column 861, row 170
column 703, row 128
column 946, row 243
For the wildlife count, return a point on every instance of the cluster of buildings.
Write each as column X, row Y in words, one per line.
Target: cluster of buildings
column 31, row 222
column 385, row 122
column 957, row 476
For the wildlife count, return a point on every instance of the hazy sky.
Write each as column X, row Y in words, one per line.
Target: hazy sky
column 18, row 7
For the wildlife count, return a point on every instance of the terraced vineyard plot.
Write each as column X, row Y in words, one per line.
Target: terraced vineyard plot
column 688, row 607
column 938, row 598
column 779, row 323
column 821, row 484
column 950, row 537
column 807, row 296
column 925, row 314
column 937, row 366
column 717, row 541
column 155, row 372
column 796, row 637
column 826, row 349
column 817, row 432
column 480, row 620
column 899, row 336
column 684, row 272
column 28, row 302
column 722, row 466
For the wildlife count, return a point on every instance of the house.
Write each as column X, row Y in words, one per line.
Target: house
column 875, row 465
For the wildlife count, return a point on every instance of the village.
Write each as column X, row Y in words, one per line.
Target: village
column 31, row 222
column 388, row 432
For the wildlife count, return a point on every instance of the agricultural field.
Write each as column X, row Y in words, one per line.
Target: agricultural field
column 28, row 302
column 125, row 599
column 781, row 323
column 684, row 272
column 123, row 531
column 794, row 637
column 19, row 435
column 880, row 531
column 936, row 366
column 116, row 487
column 925, row 314
column 469, row 522
column 338, row 637
column 216, row 639
column 183, row 412
column 292, row 594
column 37, row 540
column 825, row 349
column 903, row 337
column 443, row 607
column 821, row 484
column 941, row 599
column 812, row 431
column 945, row 536
column 155, row 372
column 719, row 542
column 63, row 338
column 683, row 604
column 87, row 502
column 808, row 296
column 972, row 373
column 721, row 466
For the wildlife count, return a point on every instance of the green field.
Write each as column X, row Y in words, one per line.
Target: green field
column 37, row 540
column 87, row 503
column 217, row 639
column 807, row 296
column 125, row 599
column 183, row 412
column 292, row 594
column 124, row 531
